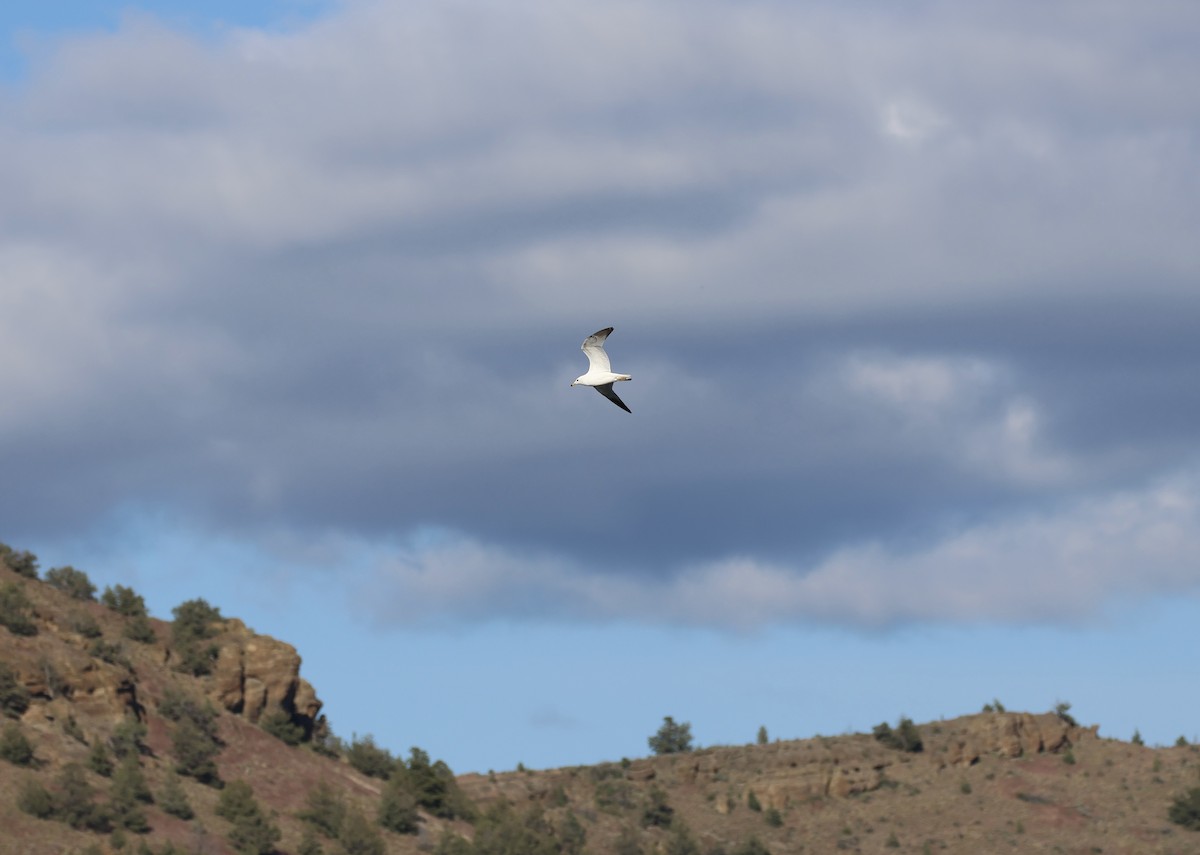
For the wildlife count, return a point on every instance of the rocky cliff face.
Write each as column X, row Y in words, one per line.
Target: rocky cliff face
column 256, row 675
column 80, row 662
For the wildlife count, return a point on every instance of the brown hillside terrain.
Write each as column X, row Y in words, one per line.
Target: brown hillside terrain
column 983, row 783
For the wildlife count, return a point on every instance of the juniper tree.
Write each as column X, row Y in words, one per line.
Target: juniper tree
column 140, row 629
column 35, row 800
column 368, row 758
column 14, row 747
column 358, row 836
column 99, row 760
column 22, row 563
column 173, row 799
column 124, row 601
column 16, row 612
column 324, row 809
column 195, row 752
column 14, row 697
column 74, row 800
column 398, row 807
column 1185, row 809
column 128, row 737
column 71, row 581
column 672, row 737
column 251, row 832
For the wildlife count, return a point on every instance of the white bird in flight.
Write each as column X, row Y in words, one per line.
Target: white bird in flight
column 600, row 374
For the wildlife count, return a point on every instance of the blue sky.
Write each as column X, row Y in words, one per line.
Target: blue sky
column 291, row 294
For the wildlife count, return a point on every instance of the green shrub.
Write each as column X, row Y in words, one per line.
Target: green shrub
column 1185, row 809
column 252, row 833
column 113, row 654
column 139, row 629
column 752, row 801
column 672, row 737
column 434, row 786
column 99, row 760
column 14, row 697
column 191, row 629
column 128, row 782
column 71, row 581
column 614, row 796
column 657, row 812
column 236, row 800
column 762, row 738
column 398, row 807
column 14, row 747
column 773, row 817
column 16, row 612
column 85, row 624
column 195, row 752
column 753, row 846
column 502, row 831
column 74, row 801
column 309, row 845
column 905, row 737
column 194, row 620
column 173, row 799
column 324, row 809
column 35, row 800
column 280, row 725
column 128, row 738
column 369, row 759
column 178, row 706
column 358, row 837
column 124, row 601
column 1136, row 739
column 1062, row 710
column 681, row 841
column 22, row 563
column 196, row 658
column 572, row 836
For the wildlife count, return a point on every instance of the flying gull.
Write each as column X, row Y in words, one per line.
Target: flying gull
column 600, row 374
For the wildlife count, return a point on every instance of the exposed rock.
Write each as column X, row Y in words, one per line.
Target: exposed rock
column 1009, row 735
column 95, row 687
column 852, row 780
column 256, row 675
column 641, row 771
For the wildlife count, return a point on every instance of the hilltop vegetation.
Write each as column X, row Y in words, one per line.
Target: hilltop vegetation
column 122, row 733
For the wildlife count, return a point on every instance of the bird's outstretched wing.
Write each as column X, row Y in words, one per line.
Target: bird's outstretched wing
column 593, row 346
column 607, row 391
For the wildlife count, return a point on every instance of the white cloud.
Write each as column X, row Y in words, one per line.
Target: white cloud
column 1070, row 564
column 968, row 411
column 912, row 121
column 336, row 276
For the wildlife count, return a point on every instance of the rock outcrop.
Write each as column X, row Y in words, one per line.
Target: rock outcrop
column 255, row 675
column 1010, row 735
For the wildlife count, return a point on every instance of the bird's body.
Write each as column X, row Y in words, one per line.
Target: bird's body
column 600, row 375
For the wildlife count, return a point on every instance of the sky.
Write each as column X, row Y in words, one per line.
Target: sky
column 292, row 293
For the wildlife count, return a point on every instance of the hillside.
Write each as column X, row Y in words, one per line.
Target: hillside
column 85, row 683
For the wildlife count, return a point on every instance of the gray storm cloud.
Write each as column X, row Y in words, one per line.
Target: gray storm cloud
column 888, row 286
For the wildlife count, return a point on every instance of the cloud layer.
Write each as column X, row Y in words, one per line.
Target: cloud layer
column 909, row 300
